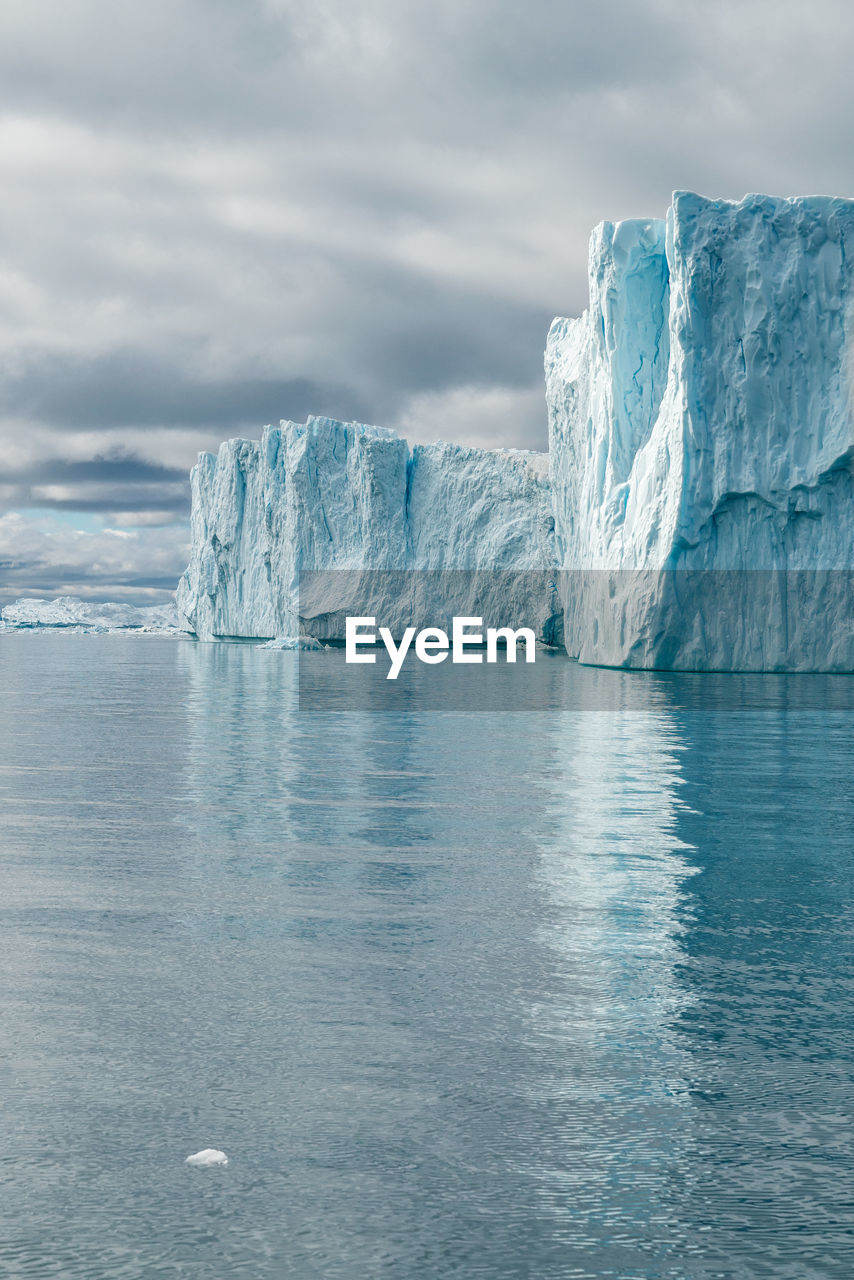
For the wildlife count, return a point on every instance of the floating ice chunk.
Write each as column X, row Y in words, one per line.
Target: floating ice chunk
column 205, row 1159
column 293, row 642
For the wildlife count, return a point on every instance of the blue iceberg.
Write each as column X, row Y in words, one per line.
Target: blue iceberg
column 695, row 508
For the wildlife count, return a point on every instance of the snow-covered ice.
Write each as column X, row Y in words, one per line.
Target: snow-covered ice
column 84, row 615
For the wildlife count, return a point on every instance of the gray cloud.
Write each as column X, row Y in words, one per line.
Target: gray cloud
column 132, row 389
column 48, row 558
column 216, row 215
column 105, row 485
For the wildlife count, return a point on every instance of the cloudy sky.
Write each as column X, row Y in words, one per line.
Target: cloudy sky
column 219, row 213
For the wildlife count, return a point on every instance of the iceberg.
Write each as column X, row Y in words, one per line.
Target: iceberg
column 318, row 519
column 701, row 443
column 69, row 612
column 696, row 507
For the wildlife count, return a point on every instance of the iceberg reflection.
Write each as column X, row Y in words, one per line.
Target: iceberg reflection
column 614, row 873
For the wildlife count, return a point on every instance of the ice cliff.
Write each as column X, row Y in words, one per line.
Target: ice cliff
column 697, row 511
column 327, row 495
column 700, row 422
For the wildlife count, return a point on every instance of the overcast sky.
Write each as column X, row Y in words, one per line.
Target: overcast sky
column 220, row 213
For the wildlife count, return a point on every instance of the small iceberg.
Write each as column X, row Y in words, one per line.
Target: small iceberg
column 293, row 642
column 205, row 1159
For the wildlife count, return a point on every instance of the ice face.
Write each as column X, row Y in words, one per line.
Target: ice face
column 319, row 495
column 328, row 495
column 701, row 440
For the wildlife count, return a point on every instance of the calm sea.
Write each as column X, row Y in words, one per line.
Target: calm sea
column 553, row 993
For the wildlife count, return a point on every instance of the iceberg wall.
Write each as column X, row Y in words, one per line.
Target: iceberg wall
column 342, row 498
column 701, row 440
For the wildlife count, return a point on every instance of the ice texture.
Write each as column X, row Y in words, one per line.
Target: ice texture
column 84, row 615
column 327, row 495
column 700, row 425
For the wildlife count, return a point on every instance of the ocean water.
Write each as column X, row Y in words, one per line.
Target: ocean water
column 552, row 993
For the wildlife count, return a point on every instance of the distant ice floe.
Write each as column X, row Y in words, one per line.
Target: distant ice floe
column 207, row 1158
column 87, row 617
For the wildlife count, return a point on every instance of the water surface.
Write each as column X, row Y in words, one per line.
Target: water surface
column 560, row 993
